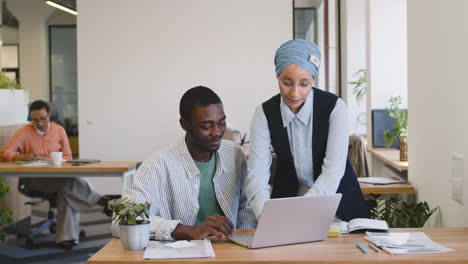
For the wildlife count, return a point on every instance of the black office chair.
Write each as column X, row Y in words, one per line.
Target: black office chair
column 50, row 223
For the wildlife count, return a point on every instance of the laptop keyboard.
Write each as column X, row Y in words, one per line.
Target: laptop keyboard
column 246, row 239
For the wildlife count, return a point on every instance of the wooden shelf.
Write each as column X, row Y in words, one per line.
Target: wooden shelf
column 390, row 156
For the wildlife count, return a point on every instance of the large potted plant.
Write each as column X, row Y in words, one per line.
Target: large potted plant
column 400, row 214
column 360, row 85
column 400, row 130
column 133, row 222
column 6, row 215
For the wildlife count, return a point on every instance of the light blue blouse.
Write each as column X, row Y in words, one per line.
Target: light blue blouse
column 299, row 127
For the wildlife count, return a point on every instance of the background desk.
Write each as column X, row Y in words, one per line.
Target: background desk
column 391, row 157
column 333, row 250
column 101, row 169
column 401, row 188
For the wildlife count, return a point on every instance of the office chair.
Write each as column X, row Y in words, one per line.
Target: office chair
column 50, row 223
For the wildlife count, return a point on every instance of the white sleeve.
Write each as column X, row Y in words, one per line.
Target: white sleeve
column 334, row 163
column 257, row 188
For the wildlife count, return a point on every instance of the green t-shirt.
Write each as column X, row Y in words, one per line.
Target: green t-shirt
column 206, row 196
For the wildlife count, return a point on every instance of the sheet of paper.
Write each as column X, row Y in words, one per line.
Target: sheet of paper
column 36, row 164
column 179, row 249
column 379, row 180
column 181, row 244
column 406, row 243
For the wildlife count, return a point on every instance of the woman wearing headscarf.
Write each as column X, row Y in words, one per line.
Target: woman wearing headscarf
column 308, row 130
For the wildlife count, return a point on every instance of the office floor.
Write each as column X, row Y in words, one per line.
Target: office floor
column 96, row 225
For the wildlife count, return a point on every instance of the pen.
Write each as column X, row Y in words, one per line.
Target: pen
column 361, row 248
column 373, row 247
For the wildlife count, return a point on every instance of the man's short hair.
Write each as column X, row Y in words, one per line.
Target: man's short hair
column 196, row 96
column 38, row 105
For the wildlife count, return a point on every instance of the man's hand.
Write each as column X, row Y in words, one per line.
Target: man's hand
column 26, row 157
column 215, row 225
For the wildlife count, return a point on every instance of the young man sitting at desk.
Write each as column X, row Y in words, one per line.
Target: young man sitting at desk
column 195, row 187
column 35, row 141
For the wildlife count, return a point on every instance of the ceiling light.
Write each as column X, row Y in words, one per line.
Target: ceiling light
column 61, row 7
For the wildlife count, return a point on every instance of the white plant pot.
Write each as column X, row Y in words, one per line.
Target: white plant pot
column 134, row 237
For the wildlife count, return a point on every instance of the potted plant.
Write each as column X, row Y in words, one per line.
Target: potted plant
column 400, row 130
column 400, row 214
column 133, row 222
column 6, row 215
column 360, row 85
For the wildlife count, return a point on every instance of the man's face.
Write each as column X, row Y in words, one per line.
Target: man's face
column 206, row 128
column 41, row 119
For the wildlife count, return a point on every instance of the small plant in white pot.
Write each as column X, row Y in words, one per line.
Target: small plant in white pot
column 133, row 222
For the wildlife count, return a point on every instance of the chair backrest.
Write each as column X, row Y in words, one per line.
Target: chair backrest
column 51, row 197
column 7, row 131
column 357, row 155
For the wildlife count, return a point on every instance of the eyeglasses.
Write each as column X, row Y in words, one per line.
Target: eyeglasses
column 304, row 84
column 42, row 120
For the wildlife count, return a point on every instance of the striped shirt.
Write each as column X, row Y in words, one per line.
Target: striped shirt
column 169, row 181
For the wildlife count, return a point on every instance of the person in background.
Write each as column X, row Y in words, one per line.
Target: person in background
column 35, row 141
column 194, row 186
column 308, row 130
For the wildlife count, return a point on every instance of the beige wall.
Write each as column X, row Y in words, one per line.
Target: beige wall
column 33, row 49
column 136, row 61
column 438, row 120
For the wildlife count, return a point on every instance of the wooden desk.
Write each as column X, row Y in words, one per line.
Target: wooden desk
column 390, row 156
column 403, row 188
column 333, row 250
column 101, row 169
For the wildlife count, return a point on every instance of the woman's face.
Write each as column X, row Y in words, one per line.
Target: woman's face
column 295, row 84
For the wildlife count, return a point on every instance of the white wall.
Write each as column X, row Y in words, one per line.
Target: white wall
column 33, row 45
column 386, row 61
column 9, row 35
column 437, row 80
column 60, row 17
column 387, row 51
column 353, row 48
column 136, row 61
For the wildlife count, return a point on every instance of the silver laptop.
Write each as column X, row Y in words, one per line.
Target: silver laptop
column 292, row 220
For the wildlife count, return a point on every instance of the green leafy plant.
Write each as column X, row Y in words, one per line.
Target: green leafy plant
column 400, row 214
column 400, row 130
column 127, row 212
column 8, row 83
column 360, row 85
column 6, row 215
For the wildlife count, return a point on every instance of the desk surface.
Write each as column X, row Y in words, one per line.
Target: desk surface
column 333, row 250
column 390, row 156
column 100, row 167
column 401, row 188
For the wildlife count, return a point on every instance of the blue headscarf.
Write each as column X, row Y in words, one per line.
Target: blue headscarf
column 301, row 52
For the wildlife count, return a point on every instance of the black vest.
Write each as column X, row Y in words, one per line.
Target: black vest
column 352, row 203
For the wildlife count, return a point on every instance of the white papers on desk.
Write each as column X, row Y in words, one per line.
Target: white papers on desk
column 405, row 243
column 380, row 180
column 37, row 164
column 179, row 249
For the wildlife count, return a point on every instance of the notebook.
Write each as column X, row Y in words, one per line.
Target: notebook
column 357, row 225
